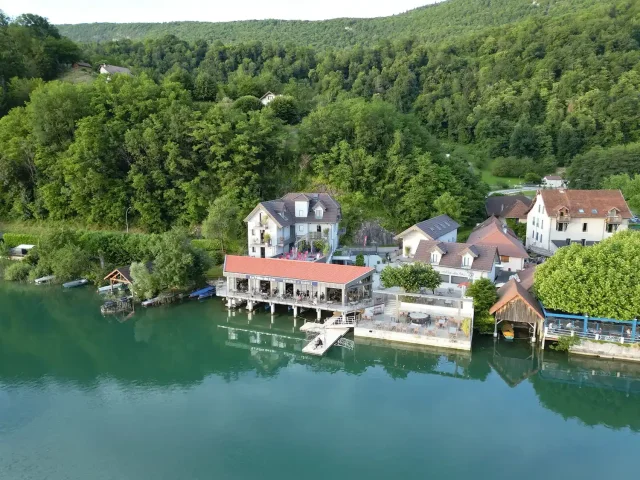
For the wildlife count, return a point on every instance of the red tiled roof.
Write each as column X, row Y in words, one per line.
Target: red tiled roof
column 294, row 269
column 585, row 203
column 491, row 232
column 485, row 255
column 518, row 210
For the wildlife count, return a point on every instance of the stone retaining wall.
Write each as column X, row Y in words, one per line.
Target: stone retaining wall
column 607, row 350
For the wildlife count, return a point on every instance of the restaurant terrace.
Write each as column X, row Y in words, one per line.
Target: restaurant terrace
column 298, row 284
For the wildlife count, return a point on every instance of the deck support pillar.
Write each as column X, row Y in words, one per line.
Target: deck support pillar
column 319, row 313
column 295, row 311
column 228, row 302
column 533, row 336
column 495, row 329
column 250, row 305
column 273, row 309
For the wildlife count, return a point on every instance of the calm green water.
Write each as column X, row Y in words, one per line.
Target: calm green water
column 186, row 392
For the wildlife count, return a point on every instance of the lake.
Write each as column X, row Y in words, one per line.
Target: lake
column 188, row 391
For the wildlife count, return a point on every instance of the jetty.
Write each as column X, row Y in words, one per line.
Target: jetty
column 119, row 305
column 162, row 299
column 325, row 335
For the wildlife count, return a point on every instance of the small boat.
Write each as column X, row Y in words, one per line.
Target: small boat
column 150, row 302
column 75, row 283
column 47, row 279
column 203, row 293
column 207, row 295
column 507, row 331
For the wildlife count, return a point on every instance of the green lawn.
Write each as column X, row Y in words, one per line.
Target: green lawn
column 79, row 75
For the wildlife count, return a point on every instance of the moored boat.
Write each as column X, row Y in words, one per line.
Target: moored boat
column 203, row 293
column 109, row 288
column 75, row 283
column 507, row 331
column 42, row 280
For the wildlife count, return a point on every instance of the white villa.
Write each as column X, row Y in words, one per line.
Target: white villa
column 440, row 229
column 275, row 227
column 560, row 217
column 459, row 263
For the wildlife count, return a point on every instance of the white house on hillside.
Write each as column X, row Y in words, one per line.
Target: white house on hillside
column 267, row 98
column 553, row 181
column 560, row 217
column 111, row 69
column 441, row 228
column 275, row 226
column 459, row 262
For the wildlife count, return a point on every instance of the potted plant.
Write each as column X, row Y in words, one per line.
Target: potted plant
column 267, row 238
column 407, row 251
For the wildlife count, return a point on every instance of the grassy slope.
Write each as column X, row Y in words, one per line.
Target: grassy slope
column 78, row 76
column 434, row 23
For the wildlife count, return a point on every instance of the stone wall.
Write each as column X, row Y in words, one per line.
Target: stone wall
column 459, row 344
column 375, row 233
column 607, row 350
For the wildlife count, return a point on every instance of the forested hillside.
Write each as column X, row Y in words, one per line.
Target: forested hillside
column 391, row 129
column 448, row 19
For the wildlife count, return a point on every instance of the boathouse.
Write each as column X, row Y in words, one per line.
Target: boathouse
column 276, row 281
column 123, row 275
column 517, row 305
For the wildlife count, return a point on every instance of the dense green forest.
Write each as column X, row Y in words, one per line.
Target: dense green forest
column 448, row 19
column 397, row 130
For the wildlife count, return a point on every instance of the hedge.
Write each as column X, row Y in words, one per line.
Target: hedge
column 14, row 239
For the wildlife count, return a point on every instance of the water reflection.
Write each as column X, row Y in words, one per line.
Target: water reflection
column 50, row 335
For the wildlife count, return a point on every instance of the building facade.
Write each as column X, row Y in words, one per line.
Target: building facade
column 441, row 229
column 553, row 181
column 560, row 217
column 276, row 227
column 459, row 263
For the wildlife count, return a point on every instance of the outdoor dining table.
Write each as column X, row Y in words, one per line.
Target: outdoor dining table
column 418, row 316
column 442, row 321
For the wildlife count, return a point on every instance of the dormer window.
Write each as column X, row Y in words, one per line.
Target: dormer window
column 435, row 258
column 319, row 213
column 466, row 261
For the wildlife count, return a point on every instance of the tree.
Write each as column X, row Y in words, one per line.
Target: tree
column 484, row 295
column 360, row 260
column 285, row 109
column 176, row 264
column 247, row 103
column 223, row 222
column 449, row 205
column 70, row 262
column 592, row 280
column 532, row 178
column 411, row 277
column 145, row 284
column 629, row 186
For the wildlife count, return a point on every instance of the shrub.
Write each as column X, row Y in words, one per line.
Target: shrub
column 17, row 272
column 565, row 343
column 360, row 260
column 532, row 178
column 14, row 239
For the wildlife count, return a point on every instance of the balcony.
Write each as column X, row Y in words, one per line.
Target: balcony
column 563, row 218
column 613, row 219
column 257, row 241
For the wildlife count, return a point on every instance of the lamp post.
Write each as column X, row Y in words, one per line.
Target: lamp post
column 126, row 218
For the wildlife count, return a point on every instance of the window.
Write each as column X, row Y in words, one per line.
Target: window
column 561, row 227
column 540, row 238
column 539, row 208
column 536, row 236
column 581, row 210
column 253, row 249
column 319, row 229
column 612, row 227
column 465, row 261
column 584, row 242
column 301, row 213
column 584, row 227
column 318, row 213
column 541, row 223
column 568, row 241
column 504, row 259
column 434, row 257
column 301, row 228
column 532, row 234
